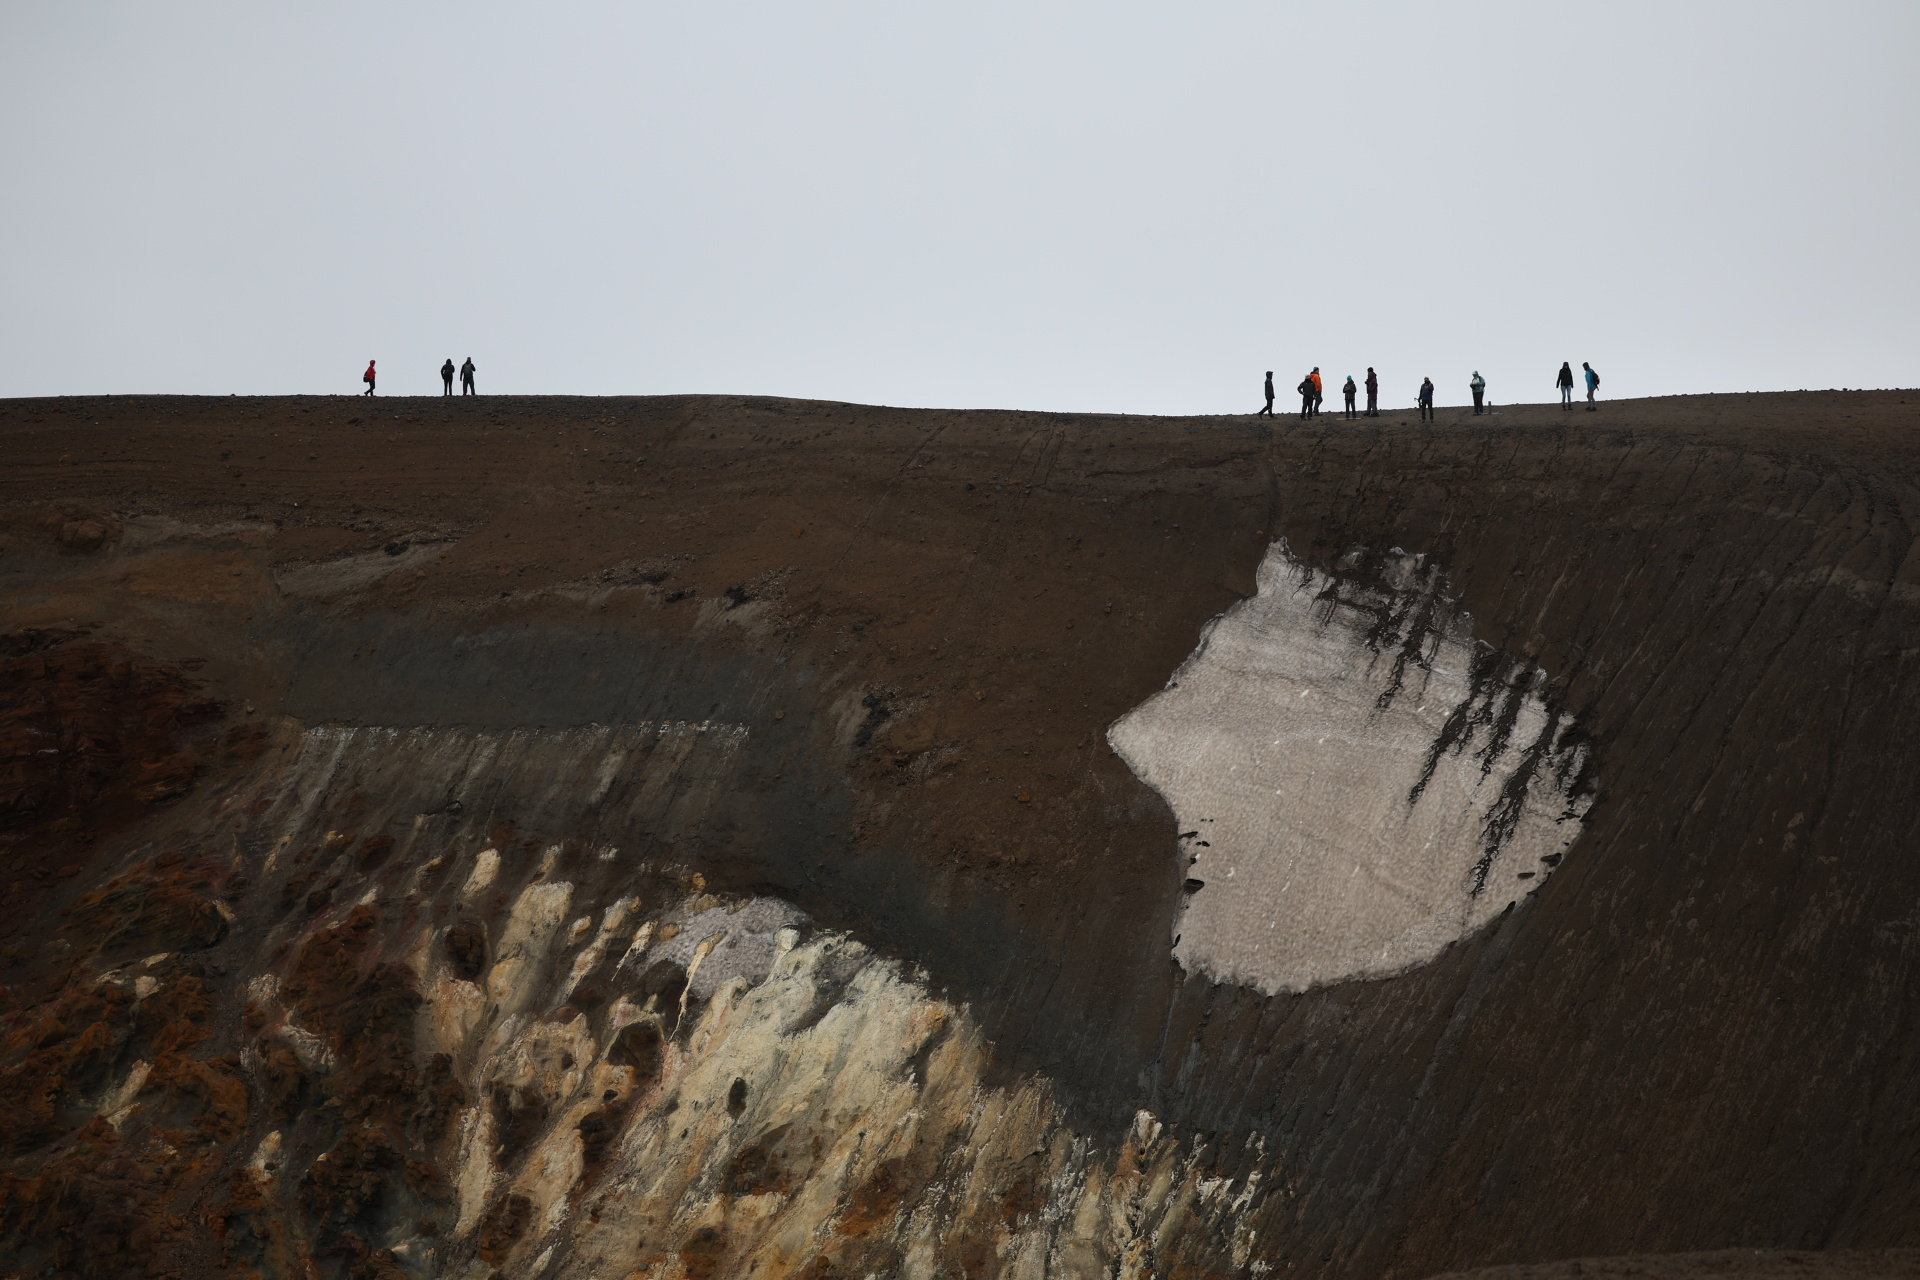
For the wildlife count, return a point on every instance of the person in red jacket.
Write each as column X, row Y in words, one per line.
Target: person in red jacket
column 367, row 377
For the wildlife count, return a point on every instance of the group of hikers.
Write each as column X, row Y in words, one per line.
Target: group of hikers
column 1310, row 389
column 446, row 377
column 1311, row 392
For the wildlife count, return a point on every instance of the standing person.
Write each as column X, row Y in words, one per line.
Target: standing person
column 466, row 378
column 1373, row 393
column 1479, row 387
column 1593, row 385
column 1319, row 391
column 1306, row 396
column 1565, row 383
column 1269, row 409
column 367, row 377
column 446, row 377
column 1426, row 399
column 1349, row 391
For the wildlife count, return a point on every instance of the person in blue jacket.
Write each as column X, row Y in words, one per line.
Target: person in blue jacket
column 1593, row 385
column 1479, row 388
column 1426, row 399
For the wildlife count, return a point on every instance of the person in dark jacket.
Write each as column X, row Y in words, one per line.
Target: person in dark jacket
column 1306, row 397
column 446, row 377
column 1349, row 391
column 1565, row 383
column 1593, row 385
column 367, row 377
column 466, row 378
column 1426, row 399
column 1479, row 388
column 1269, row 409
column 1373, row 393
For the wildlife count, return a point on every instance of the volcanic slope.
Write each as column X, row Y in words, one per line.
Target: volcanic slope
column 707, row 836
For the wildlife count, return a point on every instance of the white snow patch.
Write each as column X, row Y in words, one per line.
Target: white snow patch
column 1292, row 745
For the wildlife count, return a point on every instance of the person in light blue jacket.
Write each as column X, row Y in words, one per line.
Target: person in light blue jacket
column 1593, row 385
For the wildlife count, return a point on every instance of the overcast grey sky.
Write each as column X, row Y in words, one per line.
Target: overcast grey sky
column 1098, row 206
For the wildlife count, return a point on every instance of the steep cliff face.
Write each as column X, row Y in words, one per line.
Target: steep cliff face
column 721, row 837
column 487, row 1050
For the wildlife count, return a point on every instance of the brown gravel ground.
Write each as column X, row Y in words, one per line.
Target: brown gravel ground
column 1733, row 1264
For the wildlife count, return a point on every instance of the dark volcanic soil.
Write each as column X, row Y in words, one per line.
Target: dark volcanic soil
column 1732, row 1264
column 1698, row 1034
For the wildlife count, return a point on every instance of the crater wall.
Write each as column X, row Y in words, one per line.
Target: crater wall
column 834, row 684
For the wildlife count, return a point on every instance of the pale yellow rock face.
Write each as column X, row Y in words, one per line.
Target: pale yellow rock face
column 781, row 1133
column 1357, row 781
column 791, row 1103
